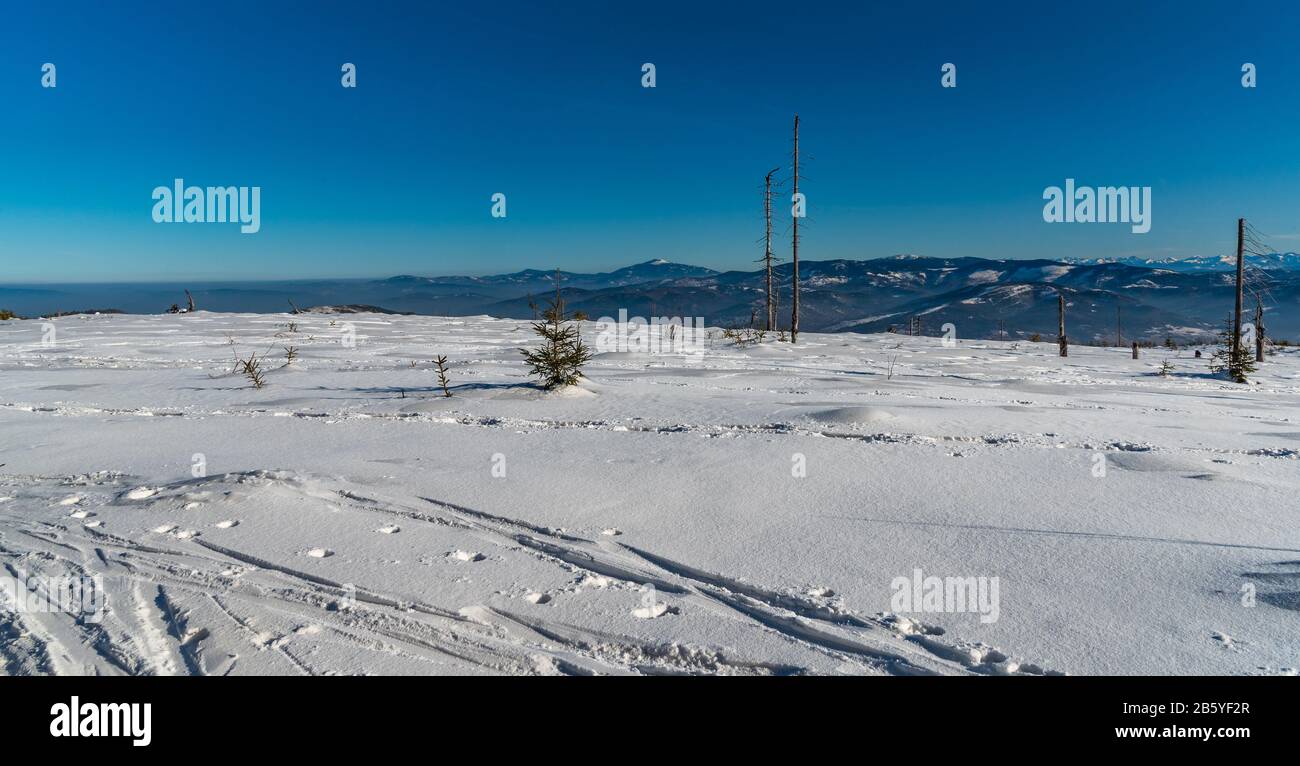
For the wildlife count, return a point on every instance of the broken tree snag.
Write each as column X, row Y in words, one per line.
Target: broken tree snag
column 1135, row 349
column 190, row 300
column 1235, row 353
column 1060, row 325
column 1259, row 330
column 767, row 214
column 294, row 307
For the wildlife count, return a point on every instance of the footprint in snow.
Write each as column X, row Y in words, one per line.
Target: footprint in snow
column 70, row 500
column 226, row 524
column 391, row 529
column 911, row 627
column 610, row 532
column 537, row 598
column 141, row 493
column 460, row 555
column 595, row 581
column 650, row 608
column 175, row 531
column 80, row 515
column 93, row 524
column 1227, row 641
column 650, row 612
column 320, row 553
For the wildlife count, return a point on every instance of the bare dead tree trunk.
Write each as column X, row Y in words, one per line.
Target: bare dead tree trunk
column 776, row 302
column 1119, row 328
column 767, row 214
column 293, row 306
column 1060, row 325
column 190, row 299
column 1135, row 349
column 1235, row 353
column 794, row 314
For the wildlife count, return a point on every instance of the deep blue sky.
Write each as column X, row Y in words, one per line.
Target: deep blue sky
column 542, row 101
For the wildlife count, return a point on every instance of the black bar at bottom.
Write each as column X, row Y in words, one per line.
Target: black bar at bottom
column 220, row 716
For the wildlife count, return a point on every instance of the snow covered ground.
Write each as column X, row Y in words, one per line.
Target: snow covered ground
column 347, row 518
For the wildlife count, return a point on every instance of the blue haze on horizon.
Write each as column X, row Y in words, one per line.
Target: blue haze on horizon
column 543, row 102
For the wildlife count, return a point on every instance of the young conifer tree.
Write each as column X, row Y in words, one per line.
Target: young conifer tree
column 1238, row 362
column 559, row 360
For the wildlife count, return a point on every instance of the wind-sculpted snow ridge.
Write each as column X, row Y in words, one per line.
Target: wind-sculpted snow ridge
column 737, row 510
column 203, row 597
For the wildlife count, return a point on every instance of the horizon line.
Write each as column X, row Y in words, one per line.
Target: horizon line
column 786, row 263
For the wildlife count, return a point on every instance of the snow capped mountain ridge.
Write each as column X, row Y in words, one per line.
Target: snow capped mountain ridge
column 862, row 295
column 1276, row 261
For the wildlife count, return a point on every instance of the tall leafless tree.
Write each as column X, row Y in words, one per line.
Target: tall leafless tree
column 794, row 312
column 767, row 258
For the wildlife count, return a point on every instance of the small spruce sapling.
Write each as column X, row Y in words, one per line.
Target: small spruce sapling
column 441, row 361
column 1237, row 363
column 559, row 360
column 251, row 368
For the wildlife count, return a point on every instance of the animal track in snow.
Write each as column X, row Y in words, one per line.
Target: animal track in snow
column 320, row 553
column 460, row 555
column 141, row 493
column 226, row 524
column 391, row 529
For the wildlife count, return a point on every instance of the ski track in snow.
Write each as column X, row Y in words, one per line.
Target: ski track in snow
column 183, row 611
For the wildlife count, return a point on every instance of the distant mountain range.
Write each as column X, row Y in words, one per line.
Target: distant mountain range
column 1272, row 262
column 1155, row 299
